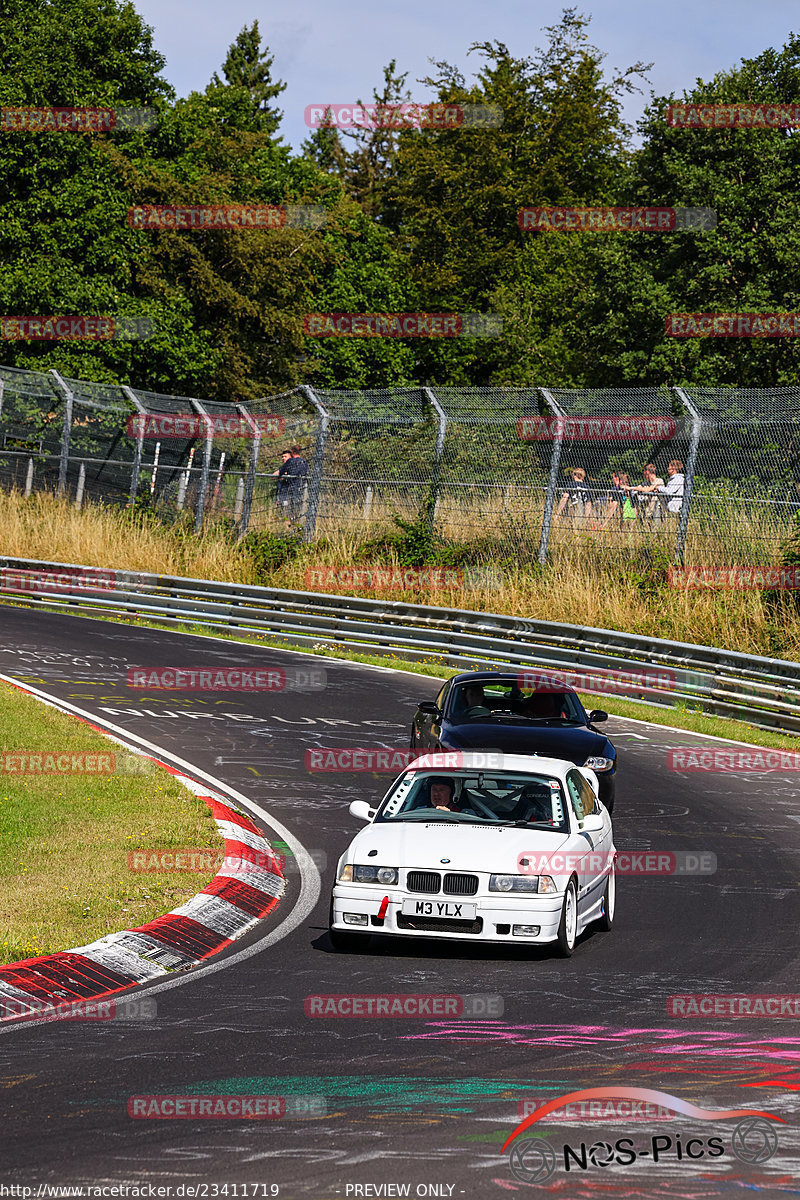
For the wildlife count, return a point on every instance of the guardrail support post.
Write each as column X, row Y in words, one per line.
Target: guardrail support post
column 688, row 479
column 209, row 448
column 248, row 486
column 69, row 399
column 315, row 482
column 137, row 454
column 552, row 482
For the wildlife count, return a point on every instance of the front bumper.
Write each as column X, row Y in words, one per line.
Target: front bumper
column 496, row 915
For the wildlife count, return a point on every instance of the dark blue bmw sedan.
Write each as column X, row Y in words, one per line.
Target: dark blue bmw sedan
column 490, row 710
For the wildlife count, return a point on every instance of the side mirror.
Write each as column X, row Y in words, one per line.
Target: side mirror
column 597, row 715
column 428, row 708
column 592, row 824
column 361, row 810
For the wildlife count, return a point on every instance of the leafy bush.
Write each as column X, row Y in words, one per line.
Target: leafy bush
column 268, row 551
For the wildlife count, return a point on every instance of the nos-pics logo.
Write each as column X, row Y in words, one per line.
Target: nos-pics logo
column 534, row 1160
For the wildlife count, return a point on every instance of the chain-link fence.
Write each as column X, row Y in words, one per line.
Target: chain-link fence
column 714, row 471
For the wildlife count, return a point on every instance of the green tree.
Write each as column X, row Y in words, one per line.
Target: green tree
column 248, row 82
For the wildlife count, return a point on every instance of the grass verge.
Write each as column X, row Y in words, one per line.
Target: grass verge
column 64, row 839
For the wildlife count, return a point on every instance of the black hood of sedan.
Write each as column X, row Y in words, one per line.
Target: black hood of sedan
column 574, row 743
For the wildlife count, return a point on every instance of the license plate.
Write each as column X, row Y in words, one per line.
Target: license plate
column 440, row 908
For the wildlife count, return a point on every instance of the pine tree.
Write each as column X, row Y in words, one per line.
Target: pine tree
column 247, row 69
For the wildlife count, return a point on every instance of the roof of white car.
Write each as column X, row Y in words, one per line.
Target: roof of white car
column 442, row 761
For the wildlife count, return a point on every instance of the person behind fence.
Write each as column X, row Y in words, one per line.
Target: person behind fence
column 671, row 493
column 618, row 500
column 646, row 494
column 576, row 496
column 292, row 474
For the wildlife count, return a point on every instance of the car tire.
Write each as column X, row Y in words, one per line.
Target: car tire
column 607, row 794
column 344, row 940
column 606, row 920
column 568, row 925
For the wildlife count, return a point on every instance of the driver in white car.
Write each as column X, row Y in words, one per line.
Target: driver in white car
column 442, row 793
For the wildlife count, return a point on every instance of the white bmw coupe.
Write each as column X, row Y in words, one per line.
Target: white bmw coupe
column 479, row 846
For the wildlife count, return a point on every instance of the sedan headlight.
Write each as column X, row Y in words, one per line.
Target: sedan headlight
column 513, row 883
column 353, row 873
column 599, row 764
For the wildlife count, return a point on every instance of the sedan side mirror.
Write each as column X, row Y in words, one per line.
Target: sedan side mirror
column 592, row 824
column 428, row 708
column 597, row 715
column 361, row 810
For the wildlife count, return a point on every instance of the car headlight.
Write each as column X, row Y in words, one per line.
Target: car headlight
column 599, row 764
column 354, row 873
column 513, row 883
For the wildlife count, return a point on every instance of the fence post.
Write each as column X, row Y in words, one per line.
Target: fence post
column 81, row 485
column 155, row 468
column 209, row 448
column 315, row 483
column 436, row 469
column 29, row 479
column 239, row 501
column 368, row 502
column 250, row 484
column 552, row 483
column 63, row 465
column 688, row 478
column 137, row 454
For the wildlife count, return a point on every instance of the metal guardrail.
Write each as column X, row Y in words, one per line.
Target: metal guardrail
column 764, row 692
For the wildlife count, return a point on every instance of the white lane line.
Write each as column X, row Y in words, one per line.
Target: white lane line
column 310, row 880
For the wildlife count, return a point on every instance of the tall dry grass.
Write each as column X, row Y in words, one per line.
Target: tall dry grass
column 591, row 578
column 50, row 528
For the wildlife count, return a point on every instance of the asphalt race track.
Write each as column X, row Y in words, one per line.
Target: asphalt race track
column 420, row 1104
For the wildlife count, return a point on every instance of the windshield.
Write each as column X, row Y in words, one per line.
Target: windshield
column 482, row 798
column 489, row 700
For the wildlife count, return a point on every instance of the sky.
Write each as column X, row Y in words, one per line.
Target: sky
column 334, row 51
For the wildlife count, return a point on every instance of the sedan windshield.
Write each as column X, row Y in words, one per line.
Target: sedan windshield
column 490, row 700
column 482, row 798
